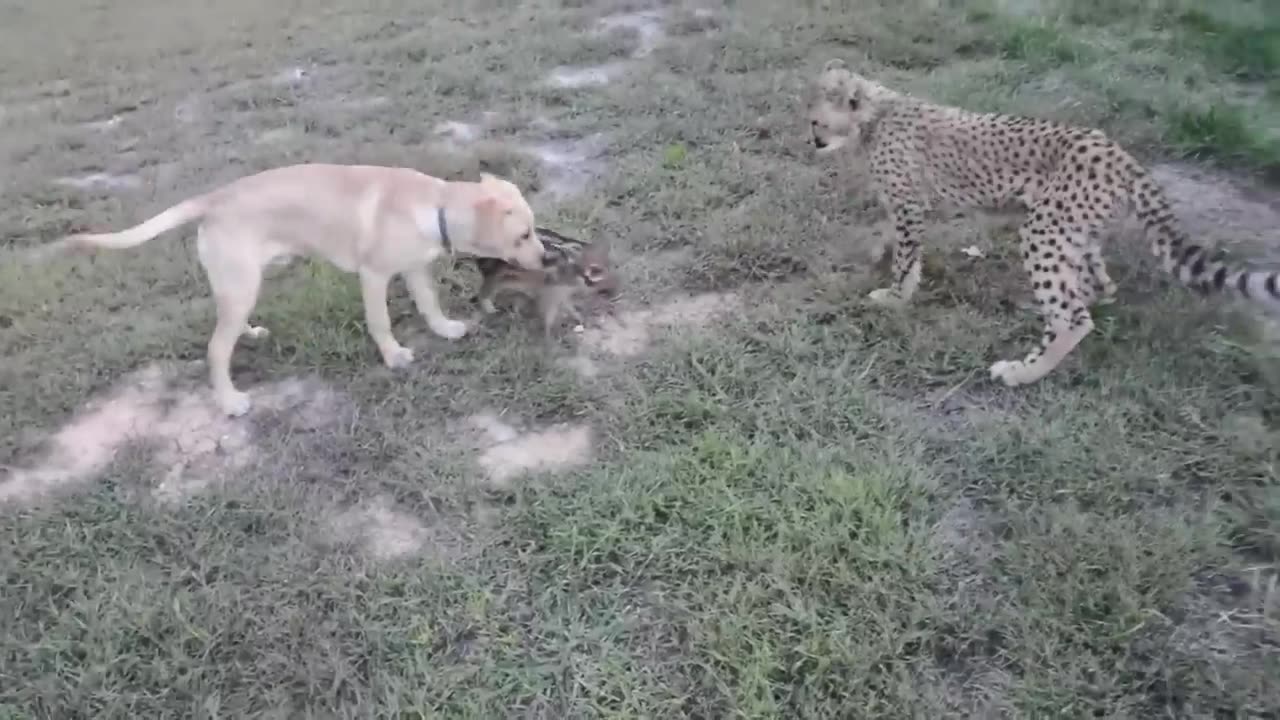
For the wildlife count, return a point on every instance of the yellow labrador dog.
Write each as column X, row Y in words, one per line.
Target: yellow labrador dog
column 374, row 221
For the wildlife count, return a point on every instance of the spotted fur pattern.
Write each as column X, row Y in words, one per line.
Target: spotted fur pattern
column 1073, row 183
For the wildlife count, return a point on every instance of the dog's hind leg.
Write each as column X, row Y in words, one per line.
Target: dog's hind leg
column 235, row 281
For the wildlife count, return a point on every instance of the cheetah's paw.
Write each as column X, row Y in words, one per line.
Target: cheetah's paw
column 886, row 297
column 1013, row 372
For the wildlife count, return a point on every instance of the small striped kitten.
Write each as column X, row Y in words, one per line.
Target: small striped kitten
column 570, row 265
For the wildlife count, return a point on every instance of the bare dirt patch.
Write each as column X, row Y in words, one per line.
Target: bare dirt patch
column 1214, row 206
column 966, row 547
column 385, row 532
column 276, row 136
column 569, row 166
column 190, row 109
column 101, row 181
column 195, row 445
column 647, row 25
column 628, row 333
column 488, row 123
column 962, row 536
column 460, row 132
column 508, row 452
column 103, row 125
column 952, row 412
column 650, row 34
column 290, row 76
column 591, row 75
column 584, row 365
column 1220, row 210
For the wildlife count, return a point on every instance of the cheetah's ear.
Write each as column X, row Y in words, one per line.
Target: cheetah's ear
column 854, row 92
column 834, row 64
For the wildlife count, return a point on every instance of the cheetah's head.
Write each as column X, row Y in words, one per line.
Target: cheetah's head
column 839, row 108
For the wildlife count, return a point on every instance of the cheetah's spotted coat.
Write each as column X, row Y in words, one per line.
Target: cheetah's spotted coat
column 1073, row 182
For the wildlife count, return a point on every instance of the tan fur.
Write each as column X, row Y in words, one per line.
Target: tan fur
column 374, row 221
column 1073, row 184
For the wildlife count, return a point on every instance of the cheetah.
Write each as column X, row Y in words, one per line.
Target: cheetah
column 1071, row 182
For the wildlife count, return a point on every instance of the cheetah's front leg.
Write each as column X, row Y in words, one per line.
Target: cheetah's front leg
column 908, row 221
column 1051, row 261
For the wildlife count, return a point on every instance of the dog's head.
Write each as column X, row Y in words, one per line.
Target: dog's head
column 504, row 225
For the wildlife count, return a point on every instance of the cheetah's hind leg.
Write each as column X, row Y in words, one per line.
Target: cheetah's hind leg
column 1055, row 266
column 1097, row 285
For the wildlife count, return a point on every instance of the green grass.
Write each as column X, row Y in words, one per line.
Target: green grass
column 805, row 508
column 1224, row 133
column 1209, row 70
column 1248, row 51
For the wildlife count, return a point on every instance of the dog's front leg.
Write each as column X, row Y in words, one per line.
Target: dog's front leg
column 423, row 291
column 373, row 287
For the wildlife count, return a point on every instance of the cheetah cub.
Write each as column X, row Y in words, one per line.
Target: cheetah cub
column 1073, row 183
column 570, row 265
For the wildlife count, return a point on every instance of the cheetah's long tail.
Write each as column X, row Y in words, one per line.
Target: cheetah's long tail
column 1196, row 266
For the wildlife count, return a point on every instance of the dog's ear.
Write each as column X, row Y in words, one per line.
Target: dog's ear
column 485, row 204
column 834, row 64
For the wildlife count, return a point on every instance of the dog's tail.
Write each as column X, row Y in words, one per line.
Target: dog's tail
column 176, row 216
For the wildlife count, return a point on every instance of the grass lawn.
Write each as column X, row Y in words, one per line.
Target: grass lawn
column 738, row 492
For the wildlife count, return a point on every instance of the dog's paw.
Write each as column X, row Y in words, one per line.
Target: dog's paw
column 235, row 404
column 397, row 357
column 449, row 329
column 256, row 332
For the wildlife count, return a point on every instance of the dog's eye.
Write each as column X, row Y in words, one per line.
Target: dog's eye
column 525, row 237
column 853, row 103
